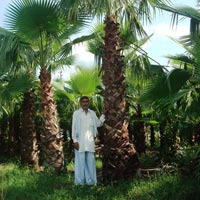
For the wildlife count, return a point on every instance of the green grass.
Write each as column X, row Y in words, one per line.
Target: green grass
column 21, row 183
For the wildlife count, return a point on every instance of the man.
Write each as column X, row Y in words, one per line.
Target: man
column 84, row 131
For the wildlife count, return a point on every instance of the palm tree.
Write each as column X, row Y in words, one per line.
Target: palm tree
column 19, row 58
column 29, row 143
column 181, row 85
column 119, row 156
column 12, row 89
column 45, row 33
column 138, row 70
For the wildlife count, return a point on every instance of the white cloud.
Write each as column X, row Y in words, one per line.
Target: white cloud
column 160, row 44
column 83, row 57
column 163, row 30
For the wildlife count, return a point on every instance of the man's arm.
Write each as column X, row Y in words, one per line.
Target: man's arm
column 99, row 121
column 74, row 134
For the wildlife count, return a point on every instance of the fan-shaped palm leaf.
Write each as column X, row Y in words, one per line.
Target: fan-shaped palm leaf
column 84, row 81
column 167, row 88
column 32, row 18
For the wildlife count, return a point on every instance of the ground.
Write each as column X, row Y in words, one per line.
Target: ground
column 22, row 183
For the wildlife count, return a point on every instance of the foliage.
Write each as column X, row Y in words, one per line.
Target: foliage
column 165, row 89
column 84, row 81
column 197, row 164
column 23, row 183
column 47, row 33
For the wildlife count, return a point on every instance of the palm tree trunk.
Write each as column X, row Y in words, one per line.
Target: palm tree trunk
column 13, row 134
column 152, row 136
column 3, row 136
column 162, row 135
column 138, row 131
column 120, row 160
column 51, row 137
column 29, row 147
column 197, row 134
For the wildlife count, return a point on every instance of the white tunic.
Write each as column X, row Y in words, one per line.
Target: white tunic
column 84, row 129
column 86, row 141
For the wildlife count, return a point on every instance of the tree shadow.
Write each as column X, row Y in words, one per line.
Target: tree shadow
column 50, row 186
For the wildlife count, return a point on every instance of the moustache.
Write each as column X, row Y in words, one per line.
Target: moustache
column 85, row 107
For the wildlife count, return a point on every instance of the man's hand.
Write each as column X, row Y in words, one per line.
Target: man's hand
column 102, row 118
column 76, row 145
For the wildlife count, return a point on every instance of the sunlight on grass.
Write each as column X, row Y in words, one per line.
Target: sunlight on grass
column 21, row 183
column 98, row 163
column 70, row 166
column 7, row 167
column 2, row 184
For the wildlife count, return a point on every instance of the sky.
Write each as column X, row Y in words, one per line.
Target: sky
column 159, row 46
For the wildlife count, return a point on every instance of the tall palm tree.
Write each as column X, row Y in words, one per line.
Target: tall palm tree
column 18, row 56
column 29, row 144
column 12, row 89
column 46, row 32
column 119, row 156
column 138, row 70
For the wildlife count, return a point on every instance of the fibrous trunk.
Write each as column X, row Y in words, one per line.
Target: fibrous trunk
column 138, row 131
column 13, row 134
column 3, row 136
column 152, row 136
column 197, row 134
column 120, row 160
column 51, row 137
column 29, row 147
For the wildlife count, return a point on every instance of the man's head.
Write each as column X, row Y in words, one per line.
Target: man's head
column 84, row 102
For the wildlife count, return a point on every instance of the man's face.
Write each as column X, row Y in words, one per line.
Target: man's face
column 85, row 104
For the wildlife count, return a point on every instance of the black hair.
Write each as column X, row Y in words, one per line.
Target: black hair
column 84, row 97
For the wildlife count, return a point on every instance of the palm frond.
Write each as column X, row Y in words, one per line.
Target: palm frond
column 60, row 63
column 95, row 46
column 181, row 58
column 186, row 11
column 146, row 7
column 66, row 49
column 185, row 42
column 83, row 38
column 84, row 81
column 15, row 52
column 22, row 19
column 14, row 87
column 165, row 88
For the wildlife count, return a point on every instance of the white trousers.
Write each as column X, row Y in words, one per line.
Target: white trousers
column 85, row 168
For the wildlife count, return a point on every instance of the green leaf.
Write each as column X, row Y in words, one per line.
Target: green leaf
column 84, row 81
column 31, row 18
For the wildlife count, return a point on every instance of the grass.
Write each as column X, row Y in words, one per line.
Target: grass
column 21, row 183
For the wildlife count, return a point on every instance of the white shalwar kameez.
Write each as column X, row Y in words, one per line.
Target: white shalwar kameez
column 84, row 130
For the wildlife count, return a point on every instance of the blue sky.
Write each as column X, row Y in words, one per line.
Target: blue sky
column 160, row 44
column 158, row 47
